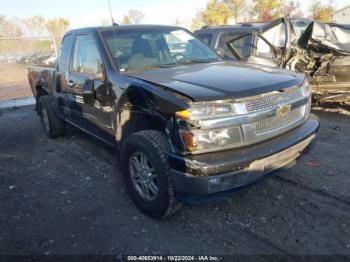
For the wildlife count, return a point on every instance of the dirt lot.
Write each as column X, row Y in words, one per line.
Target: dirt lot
column 13, row 81
column 66, row 196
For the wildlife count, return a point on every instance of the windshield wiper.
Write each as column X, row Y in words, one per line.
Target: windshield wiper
column 187, row 62
column 143, row 68
column 196, row 61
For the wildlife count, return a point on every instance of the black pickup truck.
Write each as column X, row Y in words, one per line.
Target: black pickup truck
column 187, row 126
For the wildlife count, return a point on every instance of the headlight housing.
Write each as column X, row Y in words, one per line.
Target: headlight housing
column 211, row 138
column 307, row 92
column 201, row 111
column 306, row 89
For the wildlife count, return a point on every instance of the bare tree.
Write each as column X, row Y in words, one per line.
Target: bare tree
column 237, row 8
column 9, row 28
column 292, row 9
column 35, row 26
column 133, row 17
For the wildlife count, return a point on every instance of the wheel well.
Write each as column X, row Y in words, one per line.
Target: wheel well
column 130, row 122
column 39, row 93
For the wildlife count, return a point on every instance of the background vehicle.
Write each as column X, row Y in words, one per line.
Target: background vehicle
column 216, row 37
column 321, row 51
column 187, row 126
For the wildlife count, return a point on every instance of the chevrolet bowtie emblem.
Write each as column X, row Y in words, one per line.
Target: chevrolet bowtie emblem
column 283, row 110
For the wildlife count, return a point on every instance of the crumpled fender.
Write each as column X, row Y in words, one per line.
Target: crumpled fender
column 147, row 95
column 150, row 100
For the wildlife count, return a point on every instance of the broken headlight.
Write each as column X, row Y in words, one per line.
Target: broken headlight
column 206, row 111
column 211, row 137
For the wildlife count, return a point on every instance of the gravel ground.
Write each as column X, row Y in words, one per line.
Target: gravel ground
column 66, row 197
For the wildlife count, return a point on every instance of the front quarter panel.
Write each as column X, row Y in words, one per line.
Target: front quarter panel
column 142, row 105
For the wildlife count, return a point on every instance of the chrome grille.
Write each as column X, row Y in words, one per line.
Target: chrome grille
column 274, row 100
column 272, row 124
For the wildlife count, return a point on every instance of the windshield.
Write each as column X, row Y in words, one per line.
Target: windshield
column 143, row 48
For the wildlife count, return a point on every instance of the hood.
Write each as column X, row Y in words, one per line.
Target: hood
column 220, row 80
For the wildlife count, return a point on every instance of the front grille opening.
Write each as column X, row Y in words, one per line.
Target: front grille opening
column 274, row 100
column 272, row 124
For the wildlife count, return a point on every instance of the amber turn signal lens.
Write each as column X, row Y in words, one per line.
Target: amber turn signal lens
column 187, row 138
column 185, row 115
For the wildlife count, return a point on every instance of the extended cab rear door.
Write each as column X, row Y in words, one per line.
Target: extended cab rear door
column 270, row 46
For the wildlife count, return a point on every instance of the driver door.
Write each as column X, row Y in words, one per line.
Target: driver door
column 270, row 46
column 94, row 115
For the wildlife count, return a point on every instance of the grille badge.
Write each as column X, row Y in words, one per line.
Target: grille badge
column 283, row 110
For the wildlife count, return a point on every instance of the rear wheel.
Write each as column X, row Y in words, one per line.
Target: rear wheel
column 53, row 125
column 145, row 167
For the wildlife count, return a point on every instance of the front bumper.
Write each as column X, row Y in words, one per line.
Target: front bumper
column 222, row 172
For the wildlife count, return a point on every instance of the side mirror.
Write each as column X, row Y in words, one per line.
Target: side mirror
column 89, row 91
column 100, row 76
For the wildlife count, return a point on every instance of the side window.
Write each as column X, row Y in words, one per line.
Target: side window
column 185, row 46
column 263, row 49
column 65, row 51
column 206, row 38
column 224, row 38
column 276, row 36
column 243, row 46
column 86, row 58
column 299, row 28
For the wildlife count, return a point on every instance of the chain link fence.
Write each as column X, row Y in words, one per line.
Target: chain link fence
column 37, row 51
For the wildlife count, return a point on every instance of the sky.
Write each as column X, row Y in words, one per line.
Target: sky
column 93, row 12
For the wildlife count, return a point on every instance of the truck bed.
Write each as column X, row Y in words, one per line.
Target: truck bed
column 41, row 76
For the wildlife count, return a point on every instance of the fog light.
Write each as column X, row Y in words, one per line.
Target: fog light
column 214, row 185
column 215, row 181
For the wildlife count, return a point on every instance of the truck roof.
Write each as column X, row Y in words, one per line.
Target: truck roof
column 237, row 27
column 122, row 27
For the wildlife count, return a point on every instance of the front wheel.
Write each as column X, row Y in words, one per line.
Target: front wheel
column 145, row 167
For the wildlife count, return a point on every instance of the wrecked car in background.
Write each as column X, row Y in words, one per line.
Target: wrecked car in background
column 187, row 125
column 321, row 51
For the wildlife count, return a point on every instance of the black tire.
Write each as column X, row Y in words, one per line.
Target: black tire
column 53, row 125
column 155, row 146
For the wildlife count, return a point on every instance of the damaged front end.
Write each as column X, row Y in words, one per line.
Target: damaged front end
column 213, row 126
column 321, row 52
